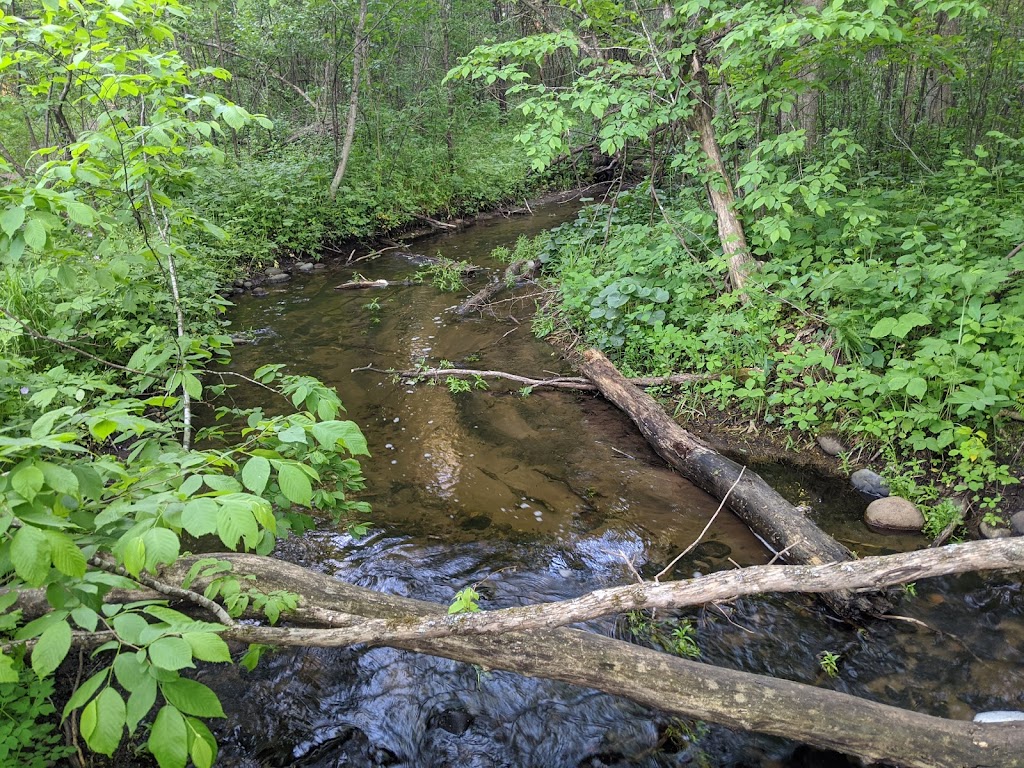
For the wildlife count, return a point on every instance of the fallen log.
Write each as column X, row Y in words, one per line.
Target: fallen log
column 520, row 270
column 360, row 284
column 741, row 700
column 787, row 530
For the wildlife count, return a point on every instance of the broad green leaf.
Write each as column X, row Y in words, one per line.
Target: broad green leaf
column 35, row 234
column 84, row 692
column 192, row 698
column 329, row 433
column 234, row 522
column 207, row 646
column 191, row 385
column 917, row 387
column 28, row 480
column 199, row 517
column 140, row 702
column 162, row 547
column 51, row 648
column 129, row 627
column 130, row 672
column 61, row 479
column 65, row 554
column 883, row 327
column 134, row 553
column 295, row 485
column 30, row 555
column 204, row 746
column 11, row 220
column 171, row 653
column 293, row 434
column 168, row 738
column 102, row 722
column 80, row 213
column 8, row 674
column 233, row 116
column 255, row 474
column 85, row 617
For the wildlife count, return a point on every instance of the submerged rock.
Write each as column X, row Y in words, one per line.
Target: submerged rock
column 870, row 482
column 830, row 445
column 998, row 716
column 893, row 514
column 305, row 266
column 279, row 277
column 260, row 292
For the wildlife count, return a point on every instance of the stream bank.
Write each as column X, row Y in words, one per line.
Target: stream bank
column 538, row 498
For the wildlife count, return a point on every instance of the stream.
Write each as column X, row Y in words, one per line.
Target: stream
column 542, row 498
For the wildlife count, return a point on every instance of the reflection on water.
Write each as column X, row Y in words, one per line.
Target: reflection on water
column 536, row 499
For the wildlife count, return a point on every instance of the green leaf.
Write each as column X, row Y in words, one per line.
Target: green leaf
column 35, row 234
column 130, row 672
column 27, row 480
column 204, row 746
column 11, row 220
column 51, row 648
column 67, row 557
column 192, row 698
column 255, row 474
column 140, row 702
column 30, row 555
column 295, row 485
column 135, row 556
column 191, row 385
column 168, row 738
column 917, row 387
column 129, row 627
column 293, row 434
column 8, row 674
column 80, row 213
column 329, row 433
column 233, row 116
column 234, row 522
column 161, row 546
column 171, row 653
column 199, row 517
column 102, row 722
column 883, row 327
column 207, row 646
column 84, row 692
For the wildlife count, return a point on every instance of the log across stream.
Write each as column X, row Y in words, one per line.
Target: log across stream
column 540, row 498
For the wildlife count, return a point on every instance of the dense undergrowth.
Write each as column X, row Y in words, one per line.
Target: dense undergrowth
column 888, row 310
column 274, row 202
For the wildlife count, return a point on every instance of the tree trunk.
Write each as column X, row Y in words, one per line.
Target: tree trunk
column 808, row 99
column 755, row 502
column 719, row 185
column 520, row 270
column 358, row 52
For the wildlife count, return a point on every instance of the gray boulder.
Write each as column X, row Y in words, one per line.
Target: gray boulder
column 894, row 514
column 869, row 482
column 270, row 271
column 279, row 277
column 1017, row 522
column 830, row 445
column 993, row 531
column 305, row 267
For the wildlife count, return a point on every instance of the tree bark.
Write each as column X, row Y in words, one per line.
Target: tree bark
column 520, row 270
column 719, row 185
column 755, row 502
column 808, row 99
column 358, row 53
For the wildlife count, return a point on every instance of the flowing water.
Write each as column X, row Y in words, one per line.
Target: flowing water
column 540, row 498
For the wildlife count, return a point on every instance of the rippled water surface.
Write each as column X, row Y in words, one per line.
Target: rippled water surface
column 541, row 498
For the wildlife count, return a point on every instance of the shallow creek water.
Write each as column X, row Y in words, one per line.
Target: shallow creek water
column 543, row 498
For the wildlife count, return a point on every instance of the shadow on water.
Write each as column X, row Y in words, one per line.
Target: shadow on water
column 537, row 499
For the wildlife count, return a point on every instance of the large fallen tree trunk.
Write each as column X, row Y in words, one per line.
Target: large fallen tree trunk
column 741, row 700
column 755, row 502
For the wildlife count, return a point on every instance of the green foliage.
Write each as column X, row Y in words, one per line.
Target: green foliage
column 829, row 663
column 28, row 733
column 444, row 274
column 466, row 601
column 940, row 516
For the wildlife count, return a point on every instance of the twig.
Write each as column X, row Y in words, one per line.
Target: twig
column 721, row 506
column 171, row 591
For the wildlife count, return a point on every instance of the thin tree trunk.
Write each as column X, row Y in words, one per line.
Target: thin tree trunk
column 807, row 101
column 719, row 185
column 358, row 52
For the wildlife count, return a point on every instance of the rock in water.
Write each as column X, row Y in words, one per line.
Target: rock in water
column 894, row 514
column 305, row 267
column 998, row 716
column 279, row 277
column 869, row 482
column 830, row 445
